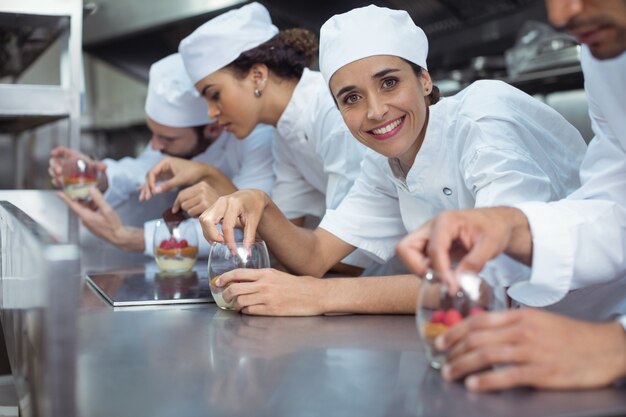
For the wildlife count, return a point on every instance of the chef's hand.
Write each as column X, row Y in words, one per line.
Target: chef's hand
column 539, row 349
column 472, row 237
column 105, row 223
column 268, row 292
column 170, row 173
column 195, row 199
column 242, row 208
column 61, row 153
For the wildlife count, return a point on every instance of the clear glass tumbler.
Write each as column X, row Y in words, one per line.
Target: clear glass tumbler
column 225, row 257
column 175, row 246
column 437, row 310
column 79, row 176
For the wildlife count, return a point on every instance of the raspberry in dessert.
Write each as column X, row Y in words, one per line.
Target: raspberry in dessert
column 174, row 255
column 440, row 322
column 77, row 184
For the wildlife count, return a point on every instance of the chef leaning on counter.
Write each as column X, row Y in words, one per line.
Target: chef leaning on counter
column 577, row 243
column 254, row 74
column 489, row 144
column 179, row 121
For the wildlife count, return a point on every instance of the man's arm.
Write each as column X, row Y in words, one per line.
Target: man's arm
column 105, row 223
column 579, row 241
column 127, row 174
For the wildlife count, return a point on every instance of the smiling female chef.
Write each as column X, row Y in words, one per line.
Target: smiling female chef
column 489, row 144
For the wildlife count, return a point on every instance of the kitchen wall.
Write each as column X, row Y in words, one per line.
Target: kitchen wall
column 113, row 119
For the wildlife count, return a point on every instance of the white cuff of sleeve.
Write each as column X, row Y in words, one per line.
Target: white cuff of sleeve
column 109, row 193
column 204, row 247
column 358, row 258
column 372, row 248
column 622, row 321
column 553, row 256
column 148, row 236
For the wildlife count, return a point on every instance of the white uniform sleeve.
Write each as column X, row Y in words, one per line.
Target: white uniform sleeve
column 576, row 243
column 622, row 320
column 580, row 241
column 126, row 174
column 292, row 193
column 505, row 175
column 256, row 170
column 341, row 152
column 369, row 217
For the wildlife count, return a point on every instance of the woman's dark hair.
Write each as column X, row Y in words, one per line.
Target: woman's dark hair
column 286, row 54
column 434, row 95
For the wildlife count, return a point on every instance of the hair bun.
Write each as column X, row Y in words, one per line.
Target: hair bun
column 302, row 41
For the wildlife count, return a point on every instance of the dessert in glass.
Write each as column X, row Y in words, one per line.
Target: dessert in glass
column 225, row 257
column 79, row 176
column 175, row 246
column 438, row 310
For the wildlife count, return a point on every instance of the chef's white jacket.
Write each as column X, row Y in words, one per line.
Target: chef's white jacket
column 248, row 164
column 580, row 242
column 490, row 144
column 316, row 158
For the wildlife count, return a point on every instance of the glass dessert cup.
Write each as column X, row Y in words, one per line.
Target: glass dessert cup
column 175, row 246
column 438, row 310
column 226, row 257
column 79, row 176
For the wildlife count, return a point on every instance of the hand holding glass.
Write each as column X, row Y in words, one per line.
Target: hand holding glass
column 79, row 175
column 438, row 310
column 225, row 257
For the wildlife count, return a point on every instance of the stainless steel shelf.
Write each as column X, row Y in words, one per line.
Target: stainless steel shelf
column 33, row 100
column 27, row 29
column 24, row 107
column 549, row 80
column 564, row 78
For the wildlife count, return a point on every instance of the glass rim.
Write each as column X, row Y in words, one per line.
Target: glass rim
column 238, row 242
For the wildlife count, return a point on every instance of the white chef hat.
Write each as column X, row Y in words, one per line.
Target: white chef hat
column 222, row 39
column 172, row 99
column 369, row 31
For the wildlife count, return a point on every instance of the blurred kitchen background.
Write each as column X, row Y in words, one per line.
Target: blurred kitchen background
column 74, row 73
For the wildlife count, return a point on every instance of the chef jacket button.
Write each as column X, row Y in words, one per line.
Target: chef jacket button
column 447, row 191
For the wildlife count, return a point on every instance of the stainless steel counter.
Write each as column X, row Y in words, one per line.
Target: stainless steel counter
column 197, row 360
column 202, row 361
